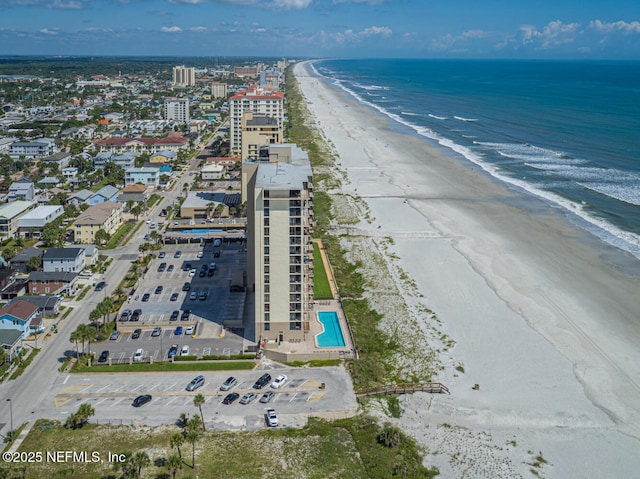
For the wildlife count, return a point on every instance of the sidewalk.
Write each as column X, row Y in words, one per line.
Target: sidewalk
column 18, row 440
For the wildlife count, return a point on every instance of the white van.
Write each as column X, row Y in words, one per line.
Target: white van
column 137, row 357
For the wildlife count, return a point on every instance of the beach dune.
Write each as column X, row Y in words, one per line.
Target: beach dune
column 545, row 316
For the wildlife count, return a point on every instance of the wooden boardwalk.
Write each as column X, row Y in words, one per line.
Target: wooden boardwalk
column 405, row 389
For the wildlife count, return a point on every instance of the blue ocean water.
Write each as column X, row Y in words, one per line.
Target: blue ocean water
column 566, row 131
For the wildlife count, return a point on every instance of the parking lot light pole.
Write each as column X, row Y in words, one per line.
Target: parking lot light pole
column 11, row 416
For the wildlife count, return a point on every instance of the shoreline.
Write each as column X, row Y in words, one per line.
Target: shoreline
column 542, row 321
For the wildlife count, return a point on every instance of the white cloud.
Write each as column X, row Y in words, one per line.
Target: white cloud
column 292, row 3
column 197, row 29
column 349, row 36
column 69, row 4
column 619, row 26
column 46, row 31
column 173, row 29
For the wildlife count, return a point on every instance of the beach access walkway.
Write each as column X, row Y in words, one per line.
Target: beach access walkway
column 433, row 388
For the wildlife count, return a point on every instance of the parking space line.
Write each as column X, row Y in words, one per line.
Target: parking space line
column 293, row 397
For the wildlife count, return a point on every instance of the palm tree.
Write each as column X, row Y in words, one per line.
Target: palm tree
column 193, row 434
column 89, row 334
column 85, row 411
column 173, row 463
column 390, row 435
column 74, row 338
column 176, row 441
column 198, row 401
column 140, row 461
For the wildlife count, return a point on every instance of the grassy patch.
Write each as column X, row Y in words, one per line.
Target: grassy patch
column 23, row 364
column 316, row 363
column 341, row 449
column 118, row 236
column 321, row 286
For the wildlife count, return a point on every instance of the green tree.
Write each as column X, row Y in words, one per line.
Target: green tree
column 390, row 435
column 74, row 337
column 136, row 210
column 173, row 463
column 102, row 237
column 53, row 235
column 8, row 253
column 139, row 461
column 34, row 263
column 176, row 441
column 198, row 401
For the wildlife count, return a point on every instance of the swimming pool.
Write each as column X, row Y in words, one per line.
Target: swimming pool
column 331, row 337
column 197, row 231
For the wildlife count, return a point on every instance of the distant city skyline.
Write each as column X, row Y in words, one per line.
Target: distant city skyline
column 323, row 28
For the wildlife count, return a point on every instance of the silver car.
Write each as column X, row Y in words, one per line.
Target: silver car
column 228, row 384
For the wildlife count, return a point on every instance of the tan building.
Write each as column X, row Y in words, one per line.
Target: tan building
column 183, row 76
column 280, row 258
column 258, row 129
column 105, row 216
column 218, row 90
column 10, row 213
column 254, row 100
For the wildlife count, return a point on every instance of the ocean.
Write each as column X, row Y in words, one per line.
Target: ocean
column 565, row 131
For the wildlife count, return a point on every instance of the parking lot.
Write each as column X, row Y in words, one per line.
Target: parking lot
column 311, row 390
column 208, row 311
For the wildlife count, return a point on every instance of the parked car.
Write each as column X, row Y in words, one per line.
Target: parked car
column 279, row 381
column 271, row 417
column 162, row 267
column 186, row 314
column 230, row 398
column 195, row 383
column 200, row 254
column 162, row 254
column 186, row 286
column 185, row 350
column 177, row 254
column 125, row 315
column 266, row 397
column 178, row 331
column 247, row 398
column 103, row 356
column 141, row 400
column 174, row 297
column 173, row 350
column 212, row 266
column 114, row 335
column 136, row 315
column 145, row 297
column 189, row 330
column 210, row 272
column 262, row 381
column 170, row 268
column 174, row 316
column 202, row 274
column 138, row 355
column 203, row 295
column 100, row 286
column 192, row 273
column 159, row 289
column 157, row 331
column 136, row 334
column 228, row 384
column 193, row 295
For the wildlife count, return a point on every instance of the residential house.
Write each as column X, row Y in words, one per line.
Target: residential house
column 136, row 193
column 102, row 159
column 61, row 159
column 56, row 282
column 79, row 197
column 70, row 174
column 149, row 176
column 49, row 305
column 90, row 254
column 40, row 148
column 20, row 262
column 201, row 204
column 163, row 156
column 105, row 216
column 31, row 224
column 106, row 193
column 18, row 315
column 212, row 171
column 10, row 213
column 49, row 182
column 63, row 259
column 125, row 160
column 172, row 142
column 23, row 189
column 11, row 342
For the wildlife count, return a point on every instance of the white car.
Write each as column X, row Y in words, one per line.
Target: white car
column 192, row 273
column 148, row 221
column 185, row 350
column 279, row 381
column 272, row 418
column 138, row 355
column 189, row 330
column 200, row 254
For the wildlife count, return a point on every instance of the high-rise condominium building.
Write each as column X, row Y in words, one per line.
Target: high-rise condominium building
column 184, row 76
column 176, row 109
column 218, row 90
column 255, row 100
column 258, row 129
column 279, row 233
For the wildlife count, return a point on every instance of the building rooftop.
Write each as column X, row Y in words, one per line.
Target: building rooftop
column 282, row 176
column 19, row 309
column 42, row 212
column 62, row 253
column 97, row 214
column 14, row 208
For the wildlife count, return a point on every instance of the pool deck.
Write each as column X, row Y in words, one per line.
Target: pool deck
column 309, row 347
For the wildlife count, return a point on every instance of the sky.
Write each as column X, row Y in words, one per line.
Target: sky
column 542, row 29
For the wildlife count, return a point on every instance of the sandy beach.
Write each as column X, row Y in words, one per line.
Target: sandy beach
column 545, row 318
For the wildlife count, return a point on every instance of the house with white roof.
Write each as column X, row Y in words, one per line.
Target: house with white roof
column 22, row 189
column 149, row 176
column 10, row 213
column 32, row 223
